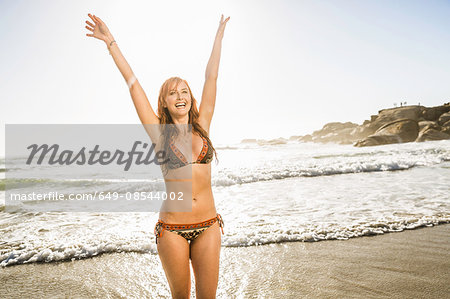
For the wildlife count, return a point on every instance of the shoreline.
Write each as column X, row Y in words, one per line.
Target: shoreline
column 412, row 263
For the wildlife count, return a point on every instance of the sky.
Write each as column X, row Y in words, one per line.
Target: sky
column 288, row 67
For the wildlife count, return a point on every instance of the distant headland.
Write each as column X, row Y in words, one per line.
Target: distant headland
column 393, row 125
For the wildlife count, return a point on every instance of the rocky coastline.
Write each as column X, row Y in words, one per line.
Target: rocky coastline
column 413, row 123
column 394, row 125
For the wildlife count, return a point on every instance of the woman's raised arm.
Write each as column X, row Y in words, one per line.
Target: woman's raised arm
column 100, row 31
column 208, row 101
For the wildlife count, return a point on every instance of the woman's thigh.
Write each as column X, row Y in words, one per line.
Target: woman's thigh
column 173, row 252
column 205, row 256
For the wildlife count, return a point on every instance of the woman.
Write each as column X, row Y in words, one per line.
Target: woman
column 182, row 236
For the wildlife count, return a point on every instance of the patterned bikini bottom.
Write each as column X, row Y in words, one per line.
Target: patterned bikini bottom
column 188, row 231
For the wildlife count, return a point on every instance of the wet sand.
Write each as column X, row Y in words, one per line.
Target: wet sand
column 409, row 264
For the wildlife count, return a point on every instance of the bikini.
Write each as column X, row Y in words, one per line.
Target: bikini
column 189, row 231
column 177, row 159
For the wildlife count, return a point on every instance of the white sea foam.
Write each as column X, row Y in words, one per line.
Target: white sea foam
column 265, row 194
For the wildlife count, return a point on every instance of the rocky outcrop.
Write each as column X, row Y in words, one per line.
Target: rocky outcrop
column 424, row 123
column 397, row 131
column 387, row 116
column 431, row 133
column 433, row 113
column 407, row 124
column 272, row 141
column 393, row 125
column 378, row 140
column 446, row 127
column 332, row 132
column 445, row 117
column 305, row 138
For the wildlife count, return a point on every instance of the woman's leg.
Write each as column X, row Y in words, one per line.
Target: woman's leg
column 205, row 255
column 173, row 252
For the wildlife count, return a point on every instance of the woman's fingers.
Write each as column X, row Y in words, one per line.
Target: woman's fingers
column 90, row 24
column 226, row 20
column 97, row 24
column 93, row 18
column 97, row 19
column 221, row 29
column 223, row 22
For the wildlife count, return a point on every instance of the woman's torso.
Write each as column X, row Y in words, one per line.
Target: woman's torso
column 198, row 176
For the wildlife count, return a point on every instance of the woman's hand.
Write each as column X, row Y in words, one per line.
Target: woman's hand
column 99, row 29
column 221, row 29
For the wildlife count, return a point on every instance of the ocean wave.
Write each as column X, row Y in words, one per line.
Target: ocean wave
column 342, row 233
column 16, row 252
column 61, row 253
column 226, row 177
column 229, row 178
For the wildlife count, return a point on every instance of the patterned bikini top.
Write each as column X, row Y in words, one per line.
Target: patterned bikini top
column 177, row 159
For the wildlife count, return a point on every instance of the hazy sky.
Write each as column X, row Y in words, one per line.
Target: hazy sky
column 287, row 67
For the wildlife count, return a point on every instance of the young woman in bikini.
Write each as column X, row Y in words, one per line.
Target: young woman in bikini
column 194, row 235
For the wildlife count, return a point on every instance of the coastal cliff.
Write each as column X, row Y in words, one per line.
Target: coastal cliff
column 393, row 125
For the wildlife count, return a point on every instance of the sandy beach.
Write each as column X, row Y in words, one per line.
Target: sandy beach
column 409, row 264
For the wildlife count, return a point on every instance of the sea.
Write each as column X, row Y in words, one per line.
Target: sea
column 267, row 193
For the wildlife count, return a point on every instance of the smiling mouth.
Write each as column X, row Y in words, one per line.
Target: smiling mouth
column 180, row 105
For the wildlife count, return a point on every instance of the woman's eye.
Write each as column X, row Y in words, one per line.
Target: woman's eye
column 185, row 91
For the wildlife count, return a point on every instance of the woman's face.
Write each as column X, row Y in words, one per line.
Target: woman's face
column 178, row 100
